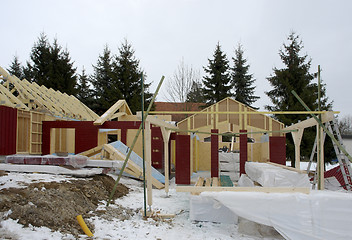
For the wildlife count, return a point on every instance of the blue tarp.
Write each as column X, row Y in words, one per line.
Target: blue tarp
column 137, row 159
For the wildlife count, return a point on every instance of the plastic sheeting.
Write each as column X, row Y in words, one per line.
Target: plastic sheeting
column 272, row 176
column 76, row 161
column 318, row 215
column 210, row 210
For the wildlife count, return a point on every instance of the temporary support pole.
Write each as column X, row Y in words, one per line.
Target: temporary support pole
column 143, row 126
column 320, row 153
column 134, row 141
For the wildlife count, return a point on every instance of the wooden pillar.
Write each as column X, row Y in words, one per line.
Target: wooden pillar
column 215, row 154
column 124, row 135
column 183, row 159
column 166, row 137
column 148, row 163
column 297, row 138
column 243, row 151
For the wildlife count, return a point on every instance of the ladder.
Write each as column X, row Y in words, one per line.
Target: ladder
column 345, row 165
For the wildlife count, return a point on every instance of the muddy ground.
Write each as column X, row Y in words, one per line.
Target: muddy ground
column 56, row 205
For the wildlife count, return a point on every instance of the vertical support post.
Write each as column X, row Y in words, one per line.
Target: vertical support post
column 214, row 153
column 182, row 159
column 148, row 162
column 166, row 137
column 243, row 151
column 297, row 138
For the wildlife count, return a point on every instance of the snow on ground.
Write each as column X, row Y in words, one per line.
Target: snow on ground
column 135, row 228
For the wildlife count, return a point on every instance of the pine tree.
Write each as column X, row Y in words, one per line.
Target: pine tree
column 16, row 68
column 196, row 93
column 242, row 81
column 51, row 66
column 127, row 77
column 217, row 82
column 84, row 93
column 105, row 91
column 295, row 76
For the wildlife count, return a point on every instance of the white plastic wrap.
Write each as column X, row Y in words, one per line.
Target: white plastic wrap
column 272, row 176
column 210, row 210
column 245, row 181
column 318, row 215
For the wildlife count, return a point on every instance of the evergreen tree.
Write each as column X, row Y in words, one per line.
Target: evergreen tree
column 51, row 66
column 196, row 93
column 84, row 93
column 127, row 78
column 295, row 76
column 105, row 91
column 242, row 81
column 217, row 81
column 16, row 68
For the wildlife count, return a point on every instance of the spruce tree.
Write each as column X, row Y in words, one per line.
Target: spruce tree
column 105, row 91
column 295, row 76
column 242, row 81
column 196, row 93
column 217, row 81
column 84, row 93
column 16, row 68
column 127, row 77
column 51, row 66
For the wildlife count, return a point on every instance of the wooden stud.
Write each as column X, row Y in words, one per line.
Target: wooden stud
column 148, row 162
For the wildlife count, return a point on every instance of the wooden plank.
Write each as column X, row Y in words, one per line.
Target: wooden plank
column 193, row 189
column 199, row 182
column 215, row 182
column 156, row 121
column 207, row 182
column 326, row 117
column 92, row 151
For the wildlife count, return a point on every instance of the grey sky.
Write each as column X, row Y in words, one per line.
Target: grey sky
column 163, row 32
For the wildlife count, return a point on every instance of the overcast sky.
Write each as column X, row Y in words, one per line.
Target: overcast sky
column 163, row 32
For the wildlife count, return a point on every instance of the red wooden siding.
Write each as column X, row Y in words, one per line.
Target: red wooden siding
column 183, row 168
column 214, row 154
column 8, row 130
column 277, row 146
column 243, row 151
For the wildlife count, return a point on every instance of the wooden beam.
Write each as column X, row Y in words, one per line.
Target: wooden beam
column 326, row 117
column 92, row 151
column 156, row 121
column 111, row 111
column 193, row 189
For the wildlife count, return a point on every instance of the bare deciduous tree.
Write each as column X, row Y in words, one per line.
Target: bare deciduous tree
column 181, row 83
column 345, row 125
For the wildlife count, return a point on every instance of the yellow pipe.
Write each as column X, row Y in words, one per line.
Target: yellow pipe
column 84, row 226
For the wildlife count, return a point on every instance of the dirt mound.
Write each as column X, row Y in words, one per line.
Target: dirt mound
column 56, row 205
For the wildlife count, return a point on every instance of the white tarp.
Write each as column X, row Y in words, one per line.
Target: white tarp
column 318, row 215
column 268, row 175
column 210, row 210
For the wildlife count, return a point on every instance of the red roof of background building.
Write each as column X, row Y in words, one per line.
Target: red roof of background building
column 174, row 106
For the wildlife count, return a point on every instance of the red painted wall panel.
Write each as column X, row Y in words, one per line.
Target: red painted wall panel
column 214, row 153
column 157, row 148
column 243, row 151
column 86, row 134
column 277, row 147
column 8, row 130
column 183, row 168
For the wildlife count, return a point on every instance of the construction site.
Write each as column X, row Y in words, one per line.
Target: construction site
column 215, row 173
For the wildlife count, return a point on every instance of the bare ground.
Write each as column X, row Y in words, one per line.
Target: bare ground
column 56, row 205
